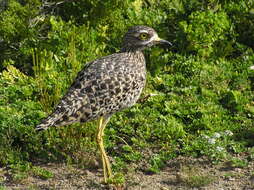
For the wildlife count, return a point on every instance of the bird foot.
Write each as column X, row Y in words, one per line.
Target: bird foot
column 118, row 187
column 116, row 182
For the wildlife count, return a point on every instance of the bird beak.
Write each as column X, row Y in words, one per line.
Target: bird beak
column 165, row 42
column 161, row 41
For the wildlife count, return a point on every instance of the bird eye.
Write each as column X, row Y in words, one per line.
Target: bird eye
column 143, row 36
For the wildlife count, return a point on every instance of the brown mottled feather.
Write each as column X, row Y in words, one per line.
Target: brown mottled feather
column 103, row 87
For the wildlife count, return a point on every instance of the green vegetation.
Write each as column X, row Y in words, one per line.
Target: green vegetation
column 204, row 103
column 193, row 177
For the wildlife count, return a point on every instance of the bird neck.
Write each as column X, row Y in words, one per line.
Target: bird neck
column 133, row 49
column 135, row 53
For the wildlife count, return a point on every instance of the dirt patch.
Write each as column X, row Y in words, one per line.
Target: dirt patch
column 180, row 174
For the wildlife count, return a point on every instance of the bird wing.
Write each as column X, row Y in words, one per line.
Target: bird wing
column 69, row 103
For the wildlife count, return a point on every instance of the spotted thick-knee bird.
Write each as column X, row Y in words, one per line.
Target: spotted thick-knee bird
column 105, row 86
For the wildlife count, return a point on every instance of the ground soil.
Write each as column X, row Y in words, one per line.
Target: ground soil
column 179, row 174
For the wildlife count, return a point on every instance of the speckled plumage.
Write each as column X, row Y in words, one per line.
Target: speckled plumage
column 106, row 85
column 102, row 88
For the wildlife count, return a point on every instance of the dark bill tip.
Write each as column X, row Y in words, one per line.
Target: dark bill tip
column 165, row 42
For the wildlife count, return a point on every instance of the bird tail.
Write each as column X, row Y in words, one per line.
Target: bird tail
column 50, row 121
column 45, row 124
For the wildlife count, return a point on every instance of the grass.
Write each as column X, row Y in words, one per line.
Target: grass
column 204, row 88
column 229, row 175
column 238, row 163
column 194, row 177
column 2, row 187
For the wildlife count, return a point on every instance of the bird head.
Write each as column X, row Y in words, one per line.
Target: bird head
column 139, row 37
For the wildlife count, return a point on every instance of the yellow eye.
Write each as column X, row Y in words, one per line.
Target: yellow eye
column 143, row 36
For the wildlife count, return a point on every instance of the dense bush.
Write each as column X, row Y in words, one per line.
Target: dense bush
column 203, row 84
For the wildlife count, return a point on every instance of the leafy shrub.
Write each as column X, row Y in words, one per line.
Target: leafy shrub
column 206, row 30
column 202, row 86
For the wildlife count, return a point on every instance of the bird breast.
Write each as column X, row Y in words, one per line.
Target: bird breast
column 122, row 84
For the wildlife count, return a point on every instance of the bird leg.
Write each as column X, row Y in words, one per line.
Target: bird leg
column 105, row 161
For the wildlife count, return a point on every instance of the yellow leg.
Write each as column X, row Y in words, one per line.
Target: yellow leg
column 105, row 161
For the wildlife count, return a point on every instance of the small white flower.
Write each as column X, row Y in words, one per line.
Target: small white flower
column 205, row 137
column 228, row 133
column 219, row 148
column 216, row 135
column 251, row 67
column 211, row 141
